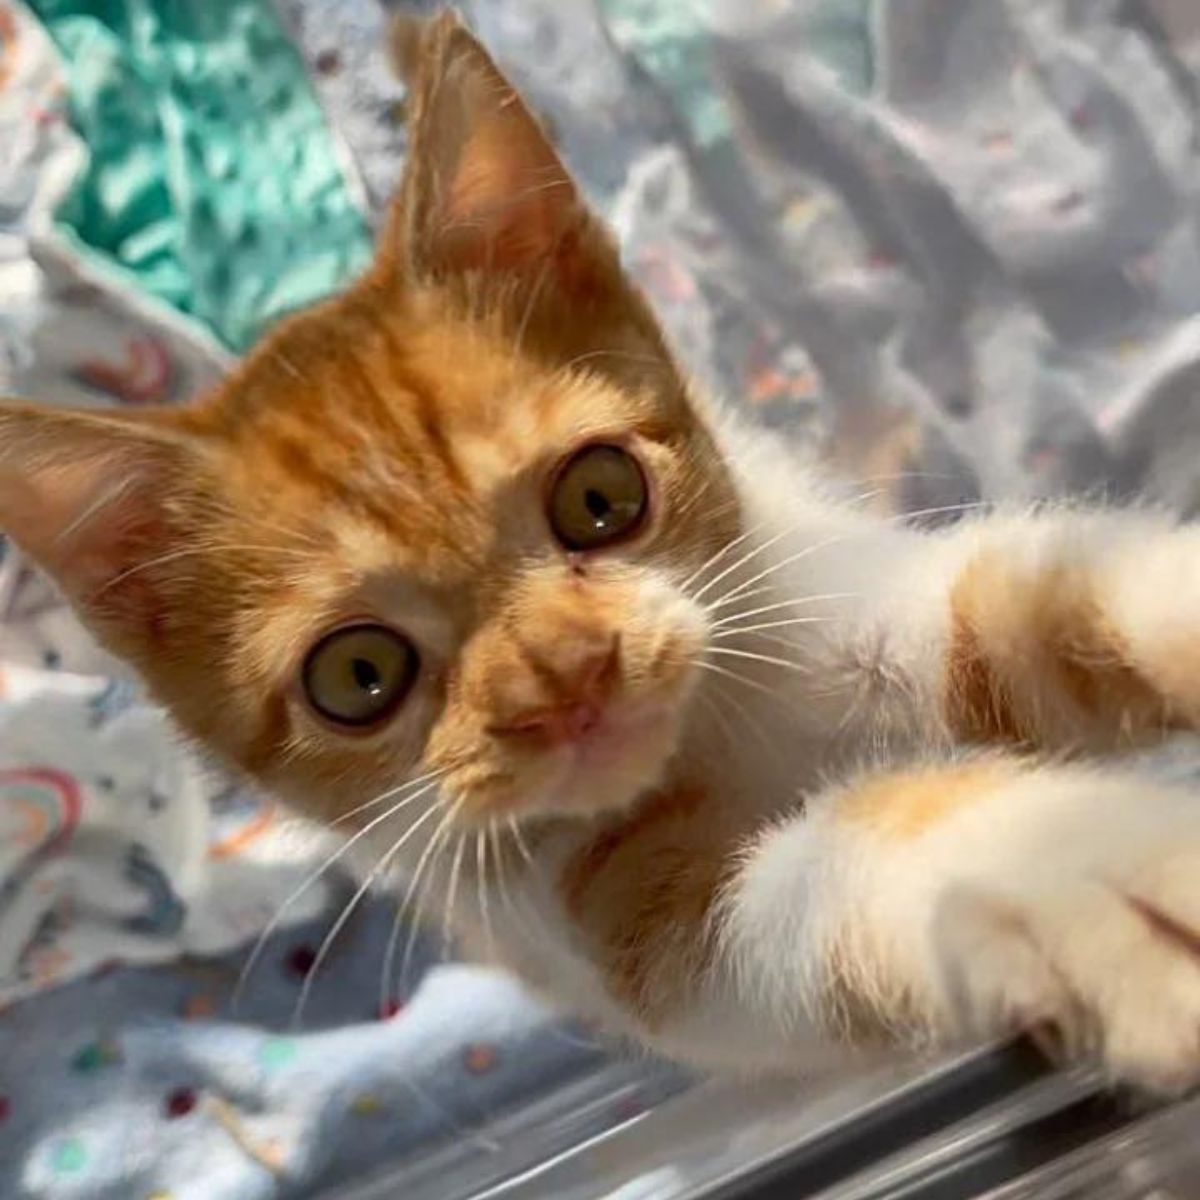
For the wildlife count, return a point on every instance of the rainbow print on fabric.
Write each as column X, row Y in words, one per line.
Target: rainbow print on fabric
column 39, row 811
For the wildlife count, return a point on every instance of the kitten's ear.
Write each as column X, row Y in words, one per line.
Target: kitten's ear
column 91, row 497
column 484, row 190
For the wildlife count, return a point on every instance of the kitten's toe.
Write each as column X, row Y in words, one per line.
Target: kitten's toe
column 1115, row 977
column 995, row 979
column 1151, row 999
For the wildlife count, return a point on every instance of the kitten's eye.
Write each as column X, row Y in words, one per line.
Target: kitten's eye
column 360, row 674
column 598, row 498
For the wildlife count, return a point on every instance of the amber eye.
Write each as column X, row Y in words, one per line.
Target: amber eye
column 598, row 497
column 360, row 674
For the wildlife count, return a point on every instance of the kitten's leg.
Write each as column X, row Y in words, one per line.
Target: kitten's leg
column 969, row 898
column 1069, row 629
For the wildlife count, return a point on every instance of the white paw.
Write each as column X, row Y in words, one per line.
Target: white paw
column 1105, row 954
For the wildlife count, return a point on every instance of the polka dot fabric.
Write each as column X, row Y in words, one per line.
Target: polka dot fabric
column 142, row 1100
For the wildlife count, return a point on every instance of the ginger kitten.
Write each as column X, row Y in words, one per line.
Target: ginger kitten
column 459, row 560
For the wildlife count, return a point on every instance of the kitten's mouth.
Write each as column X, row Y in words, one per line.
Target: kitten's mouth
column 614, row 733
column 595, row 734
column 621, row 754
column 600, row 759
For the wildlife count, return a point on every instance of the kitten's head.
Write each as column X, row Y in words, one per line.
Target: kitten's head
column 441, row 523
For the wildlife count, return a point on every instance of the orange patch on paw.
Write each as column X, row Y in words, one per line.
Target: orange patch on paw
column 978, row 701
column 1034, row 659
column 907, row 804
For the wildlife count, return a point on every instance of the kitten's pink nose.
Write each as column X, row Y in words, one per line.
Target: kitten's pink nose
column 566, row 724
column 584, row 695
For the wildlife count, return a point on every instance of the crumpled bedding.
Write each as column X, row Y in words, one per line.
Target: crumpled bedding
column 954, row 242
column 208, row 167
column 963, row 233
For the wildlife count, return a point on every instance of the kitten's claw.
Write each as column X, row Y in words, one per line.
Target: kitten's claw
column 1111, row 966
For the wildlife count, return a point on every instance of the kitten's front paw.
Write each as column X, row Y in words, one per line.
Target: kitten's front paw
column 1106, row 960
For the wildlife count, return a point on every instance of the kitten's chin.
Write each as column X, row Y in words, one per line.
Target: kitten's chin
column 607, row 769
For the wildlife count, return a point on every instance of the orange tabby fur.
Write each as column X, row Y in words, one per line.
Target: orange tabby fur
column 697, row 876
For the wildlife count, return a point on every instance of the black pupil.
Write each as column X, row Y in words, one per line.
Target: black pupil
column 366, row 675
column 597, row 503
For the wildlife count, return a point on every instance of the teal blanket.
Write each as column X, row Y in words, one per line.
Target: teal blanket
column 213, row 180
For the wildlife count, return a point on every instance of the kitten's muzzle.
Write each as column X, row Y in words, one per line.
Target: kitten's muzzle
column 579, row 706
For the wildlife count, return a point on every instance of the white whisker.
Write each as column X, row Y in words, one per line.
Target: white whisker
column 938, row 510
column 534, row 293
column 348, row 911
column 750, row 683
column 734, row 630
column 452, row 887
column 417, row 917
column 625, row 355
column 765, row 658
column 721, row 719
column 755, row 727
column 716, row 557
column 775, row 639
column 835, row 541
column 481, row 863
column 738, row 594
column 274, row 922
column 514, row 910
column 774, row 568
column 346, row 816
column 741, row 562
column 192, row 551
column 389, row 954
column 766, row 608
column 515, row 830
